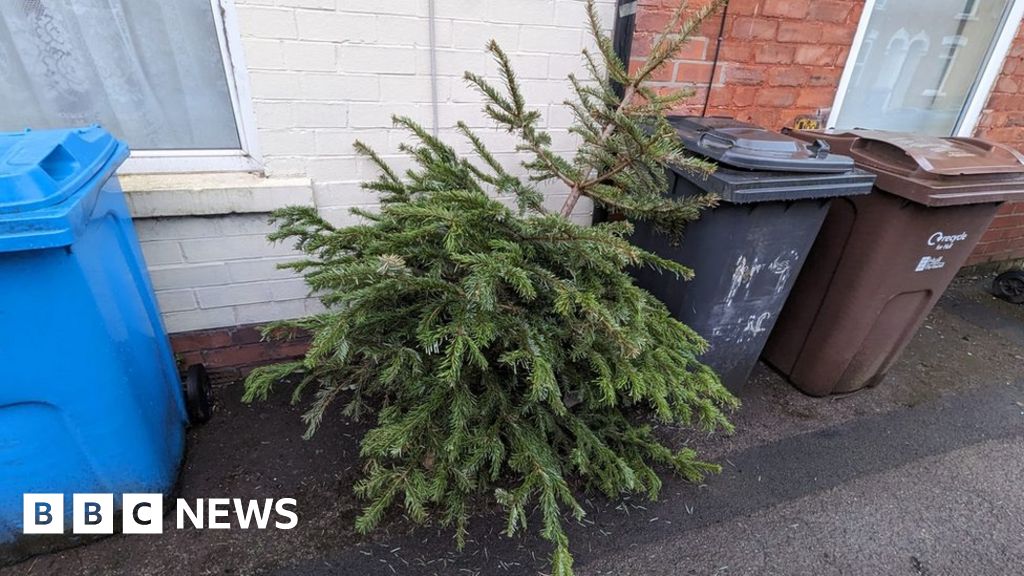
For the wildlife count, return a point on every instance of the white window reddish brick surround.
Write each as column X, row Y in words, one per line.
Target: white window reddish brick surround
column 324, row 73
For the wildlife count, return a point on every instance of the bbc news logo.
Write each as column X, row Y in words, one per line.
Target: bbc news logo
column 143, row 514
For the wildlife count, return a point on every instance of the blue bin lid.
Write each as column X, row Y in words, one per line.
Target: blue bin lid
column 41, row 168
column 49, row 183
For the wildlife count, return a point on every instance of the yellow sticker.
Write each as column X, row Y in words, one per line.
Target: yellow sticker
column 807, row 123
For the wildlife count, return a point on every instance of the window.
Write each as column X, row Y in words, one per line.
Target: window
column 924, row 66
column 158, row 74
column 970, row 10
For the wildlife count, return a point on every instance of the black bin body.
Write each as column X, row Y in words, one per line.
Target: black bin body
column 774, row 194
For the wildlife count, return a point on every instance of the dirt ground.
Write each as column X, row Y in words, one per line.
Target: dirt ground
column 971, row 340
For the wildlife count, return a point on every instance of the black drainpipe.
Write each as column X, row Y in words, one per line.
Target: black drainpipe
column 714, row 63
column 622, row 33
column 622, row 42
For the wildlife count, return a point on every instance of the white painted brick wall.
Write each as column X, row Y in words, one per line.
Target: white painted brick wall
column 324, row 73
column 350, row 65
column 220, row 271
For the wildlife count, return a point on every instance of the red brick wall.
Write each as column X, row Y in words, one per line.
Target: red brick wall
column 1004, row 240
column 1003, row 116
column 231, row 353
column 779, row 59
column 1003, row 121
column 782, row 59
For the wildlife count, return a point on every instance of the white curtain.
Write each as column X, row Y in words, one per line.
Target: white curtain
column 149, row 71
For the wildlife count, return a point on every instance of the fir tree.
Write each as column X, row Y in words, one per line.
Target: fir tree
column 506, row 351
column 626, row 141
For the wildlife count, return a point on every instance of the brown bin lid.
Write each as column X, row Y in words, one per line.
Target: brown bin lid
column 931, row 170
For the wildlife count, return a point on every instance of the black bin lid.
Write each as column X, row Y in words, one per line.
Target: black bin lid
column 757, row 165
column 742, row 145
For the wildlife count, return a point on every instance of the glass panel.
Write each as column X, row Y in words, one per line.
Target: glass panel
column 918, row 64
column 149, row 71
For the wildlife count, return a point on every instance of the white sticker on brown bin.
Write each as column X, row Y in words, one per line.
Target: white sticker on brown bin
column 930, row 263
column 943, row 241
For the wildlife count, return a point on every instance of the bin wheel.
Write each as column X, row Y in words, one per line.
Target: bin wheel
column 197, row 394
column 1010, row 286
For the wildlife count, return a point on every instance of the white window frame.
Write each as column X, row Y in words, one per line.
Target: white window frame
column 978, row 96
column 245, row 159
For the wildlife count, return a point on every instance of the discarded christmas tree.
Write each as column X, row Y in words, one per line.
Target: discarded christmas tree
column 506, row 351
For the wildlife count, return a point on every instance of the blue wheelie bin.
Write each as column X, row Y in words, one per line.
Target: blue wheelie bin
column 91, row 401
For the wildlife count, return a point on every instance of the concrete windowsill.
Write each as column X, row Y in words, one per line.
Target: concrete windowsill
column 209, row 194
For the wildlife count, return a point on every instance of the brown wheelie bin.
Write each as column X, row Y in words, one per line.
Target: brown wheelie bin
column 882, row 260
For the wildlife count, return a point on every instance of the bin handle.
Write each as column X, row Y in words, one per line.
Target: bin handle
column 819, row 148
column 717, row 141
column 59, row 164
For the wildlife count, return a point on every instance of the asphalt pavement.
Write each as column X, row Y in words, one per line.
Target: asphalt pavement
column 921, row 475
column 933, row 490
